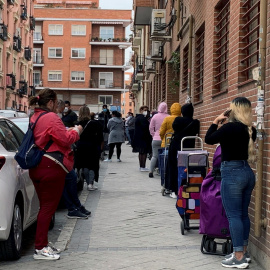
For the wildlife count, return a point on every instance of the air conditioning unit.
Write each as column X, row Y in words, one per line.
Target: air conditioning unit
column 158, row 22
column 156, row 49
column 150, row 65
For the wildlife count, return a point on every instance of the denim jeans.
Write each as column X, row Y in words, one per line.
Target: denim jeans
column 238, row 181
column 127, row 134
column 89, row 176
column 70, row 192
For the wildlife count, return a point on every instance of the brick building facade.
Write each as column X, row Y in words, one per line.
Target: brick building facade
column 16, row 42
column 79, row 51
column 206, row 51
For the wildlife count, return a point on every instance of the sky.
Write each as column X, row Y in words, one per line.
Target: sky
column 116, row 4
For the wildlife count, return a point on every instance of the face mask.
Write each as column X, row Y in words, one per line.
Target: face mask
column 104, row 110
column 144, row 113
column 65, row 110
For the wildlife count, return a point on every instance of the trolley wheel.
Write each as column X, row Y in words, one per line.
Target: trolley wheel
column 213, row 246
column 224, row 248
column 182, row 227
column 207, row 245
column 229, row 247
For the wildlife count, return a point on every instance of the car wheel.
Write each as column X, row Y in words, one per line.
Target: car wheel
column 52, row 222
column 11, row 248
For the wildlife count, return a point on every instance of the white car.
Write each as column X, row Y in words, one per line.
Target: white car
column 19, row 204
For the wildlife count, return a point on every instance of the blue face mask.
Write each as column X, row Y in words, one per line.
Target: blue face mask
column 104, row 110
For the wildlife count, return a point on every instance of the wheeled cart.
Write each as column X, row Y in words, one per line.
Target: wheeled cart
column 192, row 168
column 214, row 224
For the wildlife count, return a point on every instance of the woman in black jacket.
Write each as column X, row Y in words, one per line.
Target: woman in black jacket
column 89, row 147
column 182, row 126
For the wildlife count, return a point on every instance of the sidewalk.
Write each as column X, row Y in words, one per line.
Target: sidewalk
column 133, row 227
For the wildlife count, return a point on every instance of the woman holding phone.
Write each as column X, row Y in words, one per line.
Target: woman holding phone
column 238, row 180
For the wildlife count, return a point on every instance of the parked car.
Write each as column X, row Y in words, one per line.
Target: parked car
column 8, row 113
column 19, row 204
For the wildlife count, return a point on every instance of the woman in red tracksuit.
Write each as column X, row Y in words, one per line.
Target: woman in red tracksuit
column 49, row 177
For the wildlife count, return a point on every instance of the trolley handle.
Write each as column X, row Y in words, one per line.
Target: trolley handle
column 189, row 138
column 168, row 137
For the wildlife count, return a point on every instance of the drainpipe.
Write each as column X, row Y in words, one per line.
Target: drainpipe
column 259, row 222
column 178, row 17
column 190, row 58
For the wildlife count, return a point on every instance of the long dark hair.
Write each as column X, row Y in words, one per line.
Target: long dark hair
column 43, row 97
column 116, row 114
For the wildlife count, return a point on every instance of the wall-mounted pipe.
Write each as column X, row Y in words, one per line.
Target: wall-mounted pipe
column 259, row 222
column 190, row 43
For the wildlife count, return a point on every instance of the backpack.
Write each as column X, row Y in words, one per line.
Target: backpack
column 29, row 155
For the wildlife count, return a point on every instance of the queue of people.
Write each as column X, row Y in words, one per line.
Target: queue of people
column 146, row 134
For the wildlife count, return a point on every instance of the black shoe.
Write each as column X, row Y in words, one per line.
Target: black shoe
column 84, row 211
column 76, row 214
column 151, row 175
column 105, row 154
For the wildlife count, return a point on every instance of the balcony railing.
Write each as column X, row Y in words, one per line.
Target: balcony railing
column 106, row 61
column 37, row 36
column 105, row 84
column 37, row 59
column 109, row 38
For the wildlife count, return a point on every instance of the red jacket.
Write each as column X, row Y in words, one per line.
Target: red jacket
column 50, row 126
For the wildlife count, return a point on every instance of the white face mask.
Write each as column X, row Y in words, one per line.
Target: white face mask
column 65, row 110
column 144, row 113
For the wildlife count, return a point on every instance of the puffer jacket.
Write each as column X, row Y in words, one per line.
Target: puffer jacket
column 157, row 120
column 116, row 128
column 166, row 126
column 51, row 127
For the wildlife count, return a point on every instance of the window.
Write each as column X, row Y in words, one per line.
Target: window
column 55, row 29
column 130, row 104
column 108, row 100
column 78, row 99
column 106, row 57
column 37, row 33
column 78, row 30
column 36, row 78
column 14, row 65
column 77, row 75
column 221, row 45
column 60, row 96
column 185, row 69
column 78, row 53
column 54, row 75
column 37, row 58
column 106, row 80
column 199, row 64
column 7, row 138
column 55, row 53
column 250, row 37
column 106, row 32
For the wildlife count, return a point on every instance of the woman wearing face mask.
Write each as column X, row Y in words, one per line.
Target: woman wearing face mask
column 49, row 177
column 142, row 138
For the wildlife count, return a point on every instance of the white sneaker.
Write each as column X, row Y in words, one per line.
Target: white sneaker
column 144, row 170
column 119, row 160
column 107, row 160
column 54, row 249
column 173, row 195
column 45, row 254
column 91, row 187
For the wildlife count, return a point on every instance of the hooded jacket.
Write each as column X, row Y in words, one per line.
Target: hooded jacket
column 157, row 120
column 116, row 129
column 166, row 126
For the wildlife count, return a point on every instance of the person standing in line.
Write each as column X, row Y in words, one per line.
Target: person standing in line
column 69, row 117
column 142, row 138
column 116, row 135
column 236, row 139
column 131, row 127
column 154, row 127
column 89, row 147
column 49, row 176
column 104, row 117
column 70, row 193
column 182, row 127
column 128, row 117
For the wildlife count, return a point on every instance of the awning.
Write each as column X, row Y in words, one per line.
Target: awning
column 49, row 1
column 79, row 2
column 106, row 22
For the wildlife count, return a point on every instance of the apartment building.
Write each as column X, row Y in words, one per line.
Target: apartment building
column 127, row 97
column 16, row 42
column 79, row 51
column 209, row 52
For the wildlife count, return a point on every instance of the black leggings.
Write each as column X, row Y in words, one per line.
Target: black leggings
column 118, row 149
column 142, row 160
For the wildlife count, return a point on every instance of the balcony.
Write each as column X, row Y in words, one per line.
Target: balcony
column 106, row 62
column 24, row 12
column 3, row 32
column 38, row 61
column 37, row 38
column 11, row 81
column 111, row 85
column 17, row 43
column 22, row 88
column 143, row 11
column 121, row 42
column 32, row 23
column 27, row 53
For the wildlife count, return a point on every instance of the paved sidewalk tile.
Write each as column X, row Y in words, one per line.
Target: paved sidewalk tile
column 132, row 227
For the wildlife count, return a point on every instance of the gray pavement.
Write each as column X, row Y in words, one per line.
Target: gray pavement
column 132, row 227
